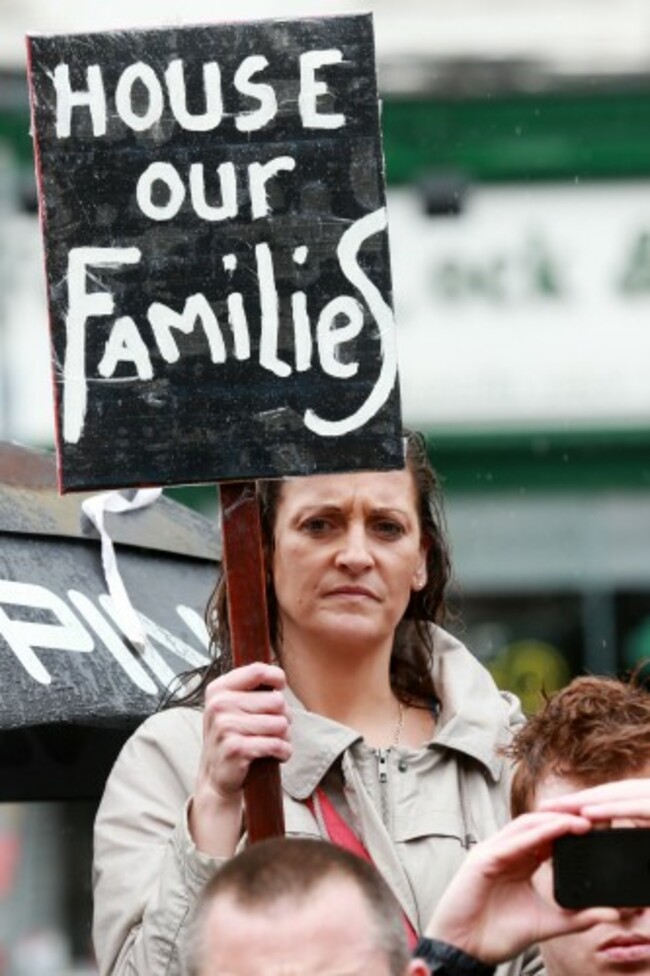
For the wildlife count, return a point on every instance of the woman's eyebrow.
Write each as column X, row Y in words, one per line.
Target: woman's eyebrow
column 317, row 508
column 390, row 510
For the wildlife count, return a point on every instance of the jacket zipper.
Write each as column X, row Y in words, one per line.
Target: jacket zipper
column 382, row 775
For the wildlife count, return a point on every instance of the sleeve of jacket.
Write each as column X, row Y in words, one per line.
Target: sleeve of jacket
column 147, row 873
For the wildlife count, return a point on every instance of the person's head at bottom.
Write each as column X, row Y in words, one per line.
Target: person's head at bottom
column 298, row 907
column 593, row 732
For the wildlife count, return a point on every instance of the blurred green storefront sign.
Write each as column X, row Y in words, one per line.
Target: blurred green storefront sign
column 528, row 311
column 559, row 128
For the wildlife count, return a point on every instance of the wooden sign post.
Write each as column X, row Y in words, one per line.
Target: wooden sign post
column 213, row 210
column 242, row 550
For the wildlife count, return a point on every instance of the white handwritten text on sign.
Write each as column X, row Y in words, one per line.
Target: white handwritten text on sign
column 217, row 256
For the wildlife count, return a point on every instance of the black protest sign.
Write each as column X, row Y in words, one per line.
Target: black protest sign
column 214, row 219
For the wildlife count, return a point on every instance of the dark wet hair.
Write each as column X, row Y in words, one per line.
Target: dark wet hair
column 413, row 646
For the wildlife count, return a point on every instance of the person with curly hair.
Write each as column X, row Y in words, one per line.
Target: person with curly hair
column 583, row 762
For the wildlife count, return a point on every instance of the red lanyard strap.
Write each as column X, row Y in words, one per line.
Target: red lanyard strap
column 339, row 832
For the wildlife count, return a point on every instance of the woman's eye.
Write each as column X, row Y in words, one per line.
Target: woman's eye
column 388, row 529
column 316, row 526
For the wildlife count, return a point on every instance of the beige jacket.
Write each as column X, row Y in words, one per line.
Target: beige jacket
column 416, row 819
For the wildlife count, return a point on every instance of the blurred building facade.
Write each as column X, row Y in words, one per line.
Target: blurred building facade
column 520, row 234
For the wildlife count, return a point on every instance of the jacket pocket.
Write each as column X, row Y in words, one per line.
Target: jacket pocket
column 423, row 821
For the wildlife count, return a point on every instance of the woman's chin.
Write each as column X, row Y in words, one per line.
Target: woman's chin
column 349, row 630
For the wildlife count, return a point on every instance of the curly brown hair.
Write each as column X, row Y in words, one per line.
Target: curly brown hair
column 413, row 646
column 594, row 730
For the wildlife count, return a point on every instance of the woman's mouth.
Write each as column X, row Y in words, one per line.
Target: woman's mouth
column 353, row 592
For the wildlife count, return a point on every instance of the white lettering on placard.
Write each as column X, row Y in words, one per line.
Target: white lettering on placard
column 125, row 345
column 83, row 305
column 24, row 636
column 227, row 176
column 113, row 642
column 194, row 622
column 94, row 98
column 302, row 328
column 348, row 249
column 140, row 96
column 311, row 90
column 331, row 337
column 69, row 634
column 180, row 648
column 239, row 325
column 150, row 656
column 210, row 119
column 269, row 312
column 166, row 174
column 197, row 309
column 145, row 77
column 268, row 105
column 259, row 175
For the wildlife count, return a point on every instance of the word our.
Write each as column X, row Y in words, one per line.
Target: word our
column 166, row 175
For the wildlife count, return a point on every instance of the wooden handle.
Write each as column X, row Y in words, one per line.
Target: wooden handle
column 249, row 630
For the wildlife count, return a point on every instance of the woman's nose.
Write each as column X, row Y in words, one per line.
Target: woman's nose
column 355, row 552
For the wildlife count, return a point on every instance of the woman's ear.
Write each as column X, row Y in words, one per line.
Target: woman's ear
column 419, row 580
column 420, row 575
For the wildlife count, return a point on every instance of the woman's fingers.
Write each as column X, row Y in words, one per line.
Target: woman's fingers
column 254, row 689
column 249, row 702
column 250, row 677
column 245, row 717
column 246, row 748
column 244, row 723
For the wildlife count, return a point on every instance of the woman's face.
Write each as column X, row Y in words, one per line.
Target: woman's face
column 348, row 553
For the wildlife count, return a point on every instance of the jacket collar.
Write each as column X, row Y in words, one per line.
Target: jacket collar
column 318, row 742
column 475, row 719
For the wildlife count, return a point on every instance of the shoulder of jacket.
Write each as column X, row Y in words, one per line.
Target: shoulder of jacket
column 478, row 718
column 514, row 711
column 171, row 734
column 170, row 720
column 461, row 674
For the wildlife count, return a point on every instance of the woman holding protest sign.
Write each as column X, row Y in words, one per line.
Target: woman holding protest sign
column 388, row 730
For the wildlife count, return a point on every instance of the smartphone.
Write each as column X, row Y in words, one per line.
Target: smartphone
column 604, row 867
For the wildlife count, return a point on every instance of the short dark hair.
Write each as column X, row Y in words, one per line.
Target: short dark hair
column 292, row 868
column 594, row 730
